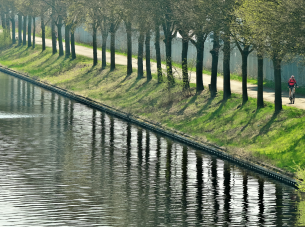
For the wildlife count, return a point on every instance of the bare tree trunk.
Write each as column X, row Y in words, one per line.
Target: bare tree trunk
column 129, row 48
column 260, row 79
column 8, row 27
column 215, row 58
column 60, row 44
column 244, row 69
column 34, row 31
column 104, row 46
column 43, row 33
column 54, row 38
column 73, row 45
column 29, row 31
column 185, row 76
column 94, row 46
column 67, row 41
column 3, row 20
column 19, row 30
column 140, row 55
column 199, row 64
column 13, row 30
column 278, row 83
column 226, row 69
column 168, row 50
column 147, row 51
column 112, row 50
column 158, row 54
column 24, row 30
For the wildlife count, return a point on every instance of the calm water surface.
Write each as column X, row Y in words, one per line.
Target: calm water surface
column 64, row 164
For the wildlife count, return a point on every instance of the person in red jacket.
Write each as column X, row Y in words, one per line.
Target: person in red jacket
column 291, row 84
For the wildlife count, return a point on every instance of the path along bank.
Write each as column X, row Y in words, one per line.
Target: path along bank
column 241, row 131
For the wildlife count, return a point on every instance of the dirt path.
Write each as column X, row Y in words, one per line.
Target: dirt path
column 236, row 86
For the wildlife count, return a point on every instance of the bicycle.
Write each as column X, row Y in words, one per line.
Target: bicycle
column 292, row 94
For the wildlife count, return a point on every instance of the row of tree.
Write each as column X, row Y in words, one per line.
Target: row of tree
column 272, row 28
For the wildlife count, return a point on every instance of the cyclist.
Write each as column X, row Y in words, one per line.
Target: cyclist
column 291, row 84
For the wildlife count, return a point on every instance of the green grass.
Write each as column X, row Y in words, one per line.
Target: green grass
column 5, row 39
column 275, row 138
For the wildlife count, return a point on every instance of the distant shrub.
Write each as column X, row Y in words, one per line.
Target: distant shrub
column 301, row 175
column 5, row 39
column 47, row 30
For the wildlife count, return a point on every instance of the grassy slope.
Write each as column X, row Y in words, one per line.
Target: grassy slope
column 276, row 138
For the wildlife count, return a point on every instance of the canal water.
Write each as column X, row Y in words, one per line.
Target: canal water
column 64, row 164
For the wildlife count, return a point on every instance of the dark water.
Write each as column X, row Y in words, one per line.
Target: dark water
column 64, row 164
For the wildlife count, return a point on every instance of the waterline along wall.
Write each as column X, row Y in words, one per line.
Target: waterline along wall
column 288, row 69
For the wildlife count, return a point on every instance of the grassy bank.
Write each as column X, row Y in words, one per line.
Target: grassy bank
column 278, row 138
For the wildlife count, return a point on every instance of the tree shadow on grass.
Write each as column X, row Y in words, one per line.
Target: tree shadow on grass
column 253, row 116
column 216, row 112
column 239, row 108
column 52, row 67
column 106, row 76
column 266, row 128
column 13, row 54
column 205, row 107
column 87, row 75
column 133, row 84
column 33, row 59
column 48, row 63
column 65, row 65
column 152, row 101
column 148, row 91
column 191, row 101
column 295, row 156
column 93, row 67
column 94, row 71
column 126, row 77
column 26, row 63
column 90, row 75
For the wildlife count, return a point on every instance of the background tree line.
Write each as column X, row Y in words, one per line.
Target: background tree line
column 273, row 28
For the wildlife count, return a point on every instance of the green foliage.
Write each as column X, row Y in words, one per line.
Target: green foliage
column 300, row 173
column 47, row 30
column 5, row 39
column 271, row 25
